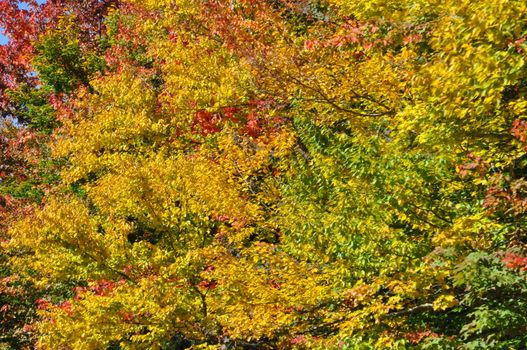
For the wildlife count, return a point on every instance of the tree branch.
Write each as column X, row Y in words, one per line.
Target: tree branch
column 413, row 310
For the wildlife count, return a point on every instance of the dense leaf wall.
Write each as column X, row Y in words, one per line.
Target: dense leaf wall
column 265, row 174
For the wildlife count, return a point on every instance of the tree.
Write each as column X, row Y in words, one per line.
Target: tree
column 282, row 174
column 29, row 106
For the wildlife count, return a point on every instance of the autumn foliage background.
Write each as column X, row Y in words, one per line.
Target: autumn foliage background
column 263, row 174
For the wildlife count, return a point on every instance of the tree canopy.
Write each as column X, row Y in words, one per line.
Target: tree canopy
column 263, row 174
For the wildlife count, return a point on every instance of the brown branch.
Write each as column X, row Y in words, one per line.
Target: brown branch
column 334, row 104
column 413, row 310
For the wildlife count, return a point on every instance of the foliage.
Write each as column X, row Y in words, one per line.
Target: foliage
column 266, row 174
